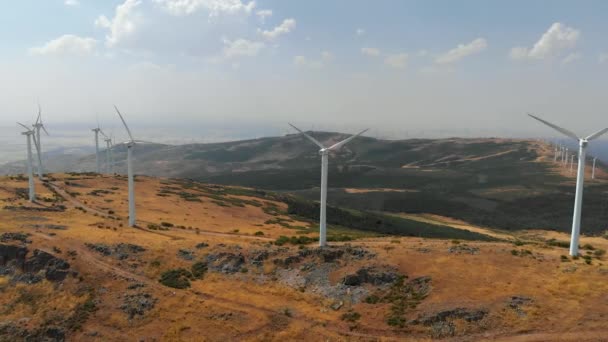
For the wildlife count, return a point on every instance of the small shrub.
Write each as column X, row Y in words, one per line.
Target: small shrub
column 199, row 269
column 167, row 224
column 351, row 316
column 177, row 278
column 372, row 299
column 599, row 252
column 588, row 247
column 258, row 233
column 564, row 258
column 514, row 252
column 456, row 242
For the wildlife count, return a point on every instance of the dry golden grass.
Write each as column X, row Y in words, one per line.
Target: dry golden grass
column 564, row 303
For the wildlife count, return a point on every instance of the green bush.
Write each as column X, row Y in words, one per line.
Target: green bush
column 177, row 278
column 199, row 269
column 258, row 233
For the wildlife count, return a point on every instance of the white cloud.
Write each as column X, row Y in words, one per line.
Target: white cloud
column 215, row 7
column 571, row 58
column 68, row 44
column 461, row 51
column 263, row 14
column 123, row 24
column 286, row 26
column 72, row 2
column 552, row 43
column 372, row 52
column 603, row 58
column 398, row 60
column 422, row 53
column 360, row 32
column 302, row 61
column 241, row 47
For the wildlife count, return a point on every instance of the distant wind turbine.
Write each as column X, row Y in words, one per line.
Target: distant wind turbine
column 29, row 133
column 97, row 131
column 571, row 162
column 324, row 152
column 109, row 155
column 37, row 127
column 130, row 144
column 580, row 178
column 593, row 169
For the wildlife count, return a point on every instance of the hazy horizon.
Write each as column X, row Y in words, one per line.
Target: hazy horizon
column 471, row 66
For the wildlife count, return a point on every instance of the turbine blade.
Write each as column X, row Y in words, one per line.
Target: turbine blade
column 596, row 134
column 39, row 113
column 44, row 129
column 24, row 126
column 308, row 136
column 345, row 141
column 124, row 123
column 557, row 128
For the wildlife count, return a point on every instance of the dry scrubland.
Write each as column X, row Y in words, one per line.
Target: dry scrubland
column 203, row 265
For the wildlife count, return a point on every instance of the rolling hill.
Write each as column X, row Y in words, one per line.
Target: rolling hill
column 216, row 262
column 501, row 183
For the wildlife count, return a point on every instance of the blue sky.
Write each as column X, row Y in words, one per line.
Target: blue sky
column 416, row 65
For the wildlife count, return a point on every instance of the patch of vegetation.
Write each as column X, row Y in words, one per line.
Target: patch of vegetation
column 380, row 223
column 176, row 278
column 351, row 316
column 199, row 269
column 294, row 240
column 81, row 314
column 557, row 243
column 259, row 233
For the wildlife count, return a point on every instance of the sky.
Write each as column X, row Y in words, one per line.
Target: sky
column 429, row 67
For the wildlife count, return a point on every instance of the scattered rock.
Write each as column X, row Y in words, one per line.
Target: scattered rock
column 224, row 316
column 22, row 237
column 135, row 286
column 55, row 269
column 225, row 262
column 458, row 313
column 121, row 251
column 570, row 269
column 186, row 254
column 99, row 248
column 443, row 329
column 463, row 249
column 516, row 303
column 368, row 275
column 337, row 305
column 27, row 278
column 137, row 304
column 257, row 257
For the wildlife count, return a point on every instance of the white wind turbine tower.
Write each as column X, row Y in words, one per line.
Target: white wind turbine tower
column 129, row 144
column 571, row 162
column 97, row 158
column 109, row 156
column 37, row 127
column 324, row 152
column 580, row 178
column 593, row 169
column 29, row 133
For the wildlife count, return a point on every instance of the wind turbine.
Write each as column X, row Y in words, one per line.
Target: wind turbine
column 129, row 144
column 29, row 133
column 37, row 126
column 97, row 158
column 324, row 152
column 109, row 156
column 593, row 169
column 580, row 178
column 571, row 162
